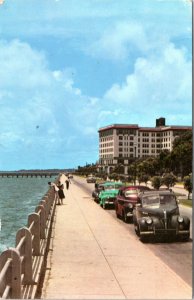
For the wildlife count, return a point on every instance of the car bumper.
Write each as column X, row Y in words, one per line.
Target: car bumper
column 129, row 214
column 165, row 232
column 109, row 201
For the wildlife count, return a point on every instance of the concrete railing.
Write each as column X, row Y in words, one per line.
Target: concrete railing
column 22, row 268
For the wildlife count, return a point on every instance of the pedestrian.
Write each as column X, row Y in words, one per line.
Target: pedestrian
column 67, row 181
column 61, row 192
column 69, row 177
column 56, row 189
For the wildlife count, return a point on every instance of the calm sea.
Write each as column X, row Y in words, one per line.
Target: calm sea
column 18, row 199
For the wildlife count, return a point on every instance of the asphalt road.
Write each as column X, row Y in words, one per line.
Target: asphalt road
column 177, row 255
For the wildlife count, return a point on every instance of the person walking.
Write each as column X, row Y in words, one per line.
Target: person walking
column 61, row 192
column 67, row 183
column 56, row 189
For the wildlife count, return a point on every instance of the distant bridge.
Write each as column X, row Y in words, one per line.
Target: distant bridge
column 32, row 173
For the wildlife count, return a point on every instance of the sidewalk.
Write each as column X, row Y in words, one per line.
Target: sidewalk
column 93, row 257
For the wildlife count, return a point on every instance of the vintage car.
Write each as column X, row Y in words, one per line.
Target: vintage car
column 91, row 179
column 109, row 192
column 157, row 215
column 126, row 199
column 99, row 186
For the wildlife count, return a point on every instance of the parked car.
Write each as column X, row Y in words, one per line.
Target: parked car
column 99, row 186
column 157, row 215
column 109, row 192
column 126, row 199
column 91, row 179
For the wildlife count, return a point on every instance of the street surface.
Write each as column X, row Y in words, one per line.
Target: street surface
column 176, row 255
column 93, row 255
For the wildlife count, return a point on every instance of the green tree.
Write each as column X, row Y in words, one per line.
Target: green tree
column 188, row 184
column 132, row 171
column 169, row 180
column 145, row 178
column 165, row 162
column 156, row 182
column 182, row 154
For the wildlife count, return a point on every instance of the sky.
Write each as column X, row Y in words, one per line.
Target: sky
column 69, row 67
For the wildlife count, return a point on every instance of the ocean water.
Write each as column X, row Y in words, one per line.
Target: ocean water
column 18, row 199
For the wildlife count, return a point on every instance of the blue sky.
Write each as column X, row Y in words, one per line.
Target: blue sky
column 69, row 67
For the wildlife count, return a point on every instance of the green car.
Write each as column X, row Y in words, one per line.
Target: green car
column 109, row 193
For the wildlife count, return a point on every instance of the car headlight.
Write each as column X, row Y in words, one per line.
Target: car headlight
column 130, row 205
column 149, row 221
column 180, row 219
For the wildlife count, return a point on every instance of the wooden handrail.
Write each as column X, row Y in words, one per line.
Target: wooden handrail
column 6, row 292
column 20, row 243
column 5, row 268
column 17, row 265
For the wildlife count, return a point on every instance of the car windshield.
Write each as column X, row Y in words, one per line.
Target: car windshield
column 100, row 187
column 158, row 201
column 109, row 187
column 112, row 186
column 128, row 193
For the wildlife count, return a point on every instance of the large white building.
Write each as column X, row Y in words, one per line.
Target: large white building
column 118, row 143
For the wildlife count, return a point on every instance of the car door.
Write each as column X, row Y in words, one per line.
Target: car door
column 120, row 202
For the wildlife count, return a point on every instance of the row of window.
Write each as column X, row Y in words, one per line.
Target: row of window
column 126, row 149
column 107, row 145
column 126, row 137
column 126, row 144
column 145, row 140
column 126, row 131
column 111, row 144
column 107, row 156
column 144, row 146
column 106, row 150
column 167, row 145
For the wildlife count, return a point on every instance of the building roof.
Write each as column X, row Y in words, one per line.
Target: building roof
column 119, row 126
column 148, row 129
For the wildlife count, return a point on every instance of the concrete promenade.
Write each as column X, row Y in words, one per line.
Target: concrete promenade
column 93, row 257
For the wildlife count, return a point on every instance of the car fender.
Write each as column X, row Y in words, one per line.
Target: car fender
column 156, row 222
column 134, row 217
column 174, row 222
column 186, row 222
column 142, row 224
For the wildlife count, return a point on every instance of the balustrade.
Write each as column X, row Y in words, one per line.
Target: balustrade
column 21, row 267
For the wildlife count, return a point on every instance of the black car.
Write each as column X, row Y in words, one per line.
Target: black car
column 157, row 215
column 98, row 188
column 91, row 179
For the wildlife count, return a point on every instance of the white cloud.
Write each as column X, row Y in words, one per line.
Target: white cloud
column 116, row 42
column 42, row 112
column 22, row 66
column 159, row 83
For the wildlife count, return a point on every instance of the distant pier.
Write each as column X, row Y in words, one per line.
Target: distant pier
column 29, row 173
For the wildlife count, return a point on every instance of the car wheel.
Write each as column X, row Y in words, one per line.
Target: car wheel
column 137, row 231
column 125, row 218
column 104, row 205
column 134, row 219
column 117, row 215
column 144, row 238
column 185, row 238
